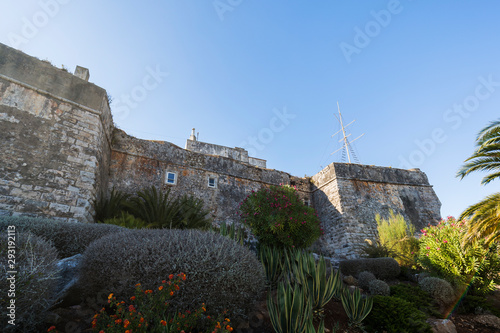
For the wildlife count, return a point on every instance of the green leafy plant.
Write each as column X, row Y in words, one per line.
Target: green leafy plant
column 292, row 310
column 110, row 206
column 312, row 276
column 416, row 296
column 127, row 220
column 375, row 249
column 397, row 235
column 394, row 315
column 474, row 264
column 149, row 311
column 278, row 217
column 355, row 306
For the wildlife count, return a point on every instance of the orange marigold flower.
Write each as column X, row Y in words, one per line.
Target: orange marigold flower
column 137, row 285
column 171, row 293
column 101, row 331
column 227, row 319
column 132, row 298
column 208, row 317
column 110, row 296
column 218, row 325
column 131, row 308
column 163, row 281
column 118, row 321
column 141, row 320
column 127, row 331
column 203, row 308
column 171, row 276
column 163, row 322
column 126, row 323
column 51, row 328
column 229, row 328
column 160, row 287
column 177, row 287
column 183, row 277
column 149, row 291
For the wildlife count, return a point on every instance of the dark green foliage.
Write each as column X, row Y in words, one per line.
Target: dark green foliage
column 471, row 304
column 110, row 206
column 127, row 220
column 376, row 250
column 159, row 210
column 36, row 278
column 278, row 217
column 416, row 296
column 69, row 238
column 382, row 268
column 191, row 214
column 220, row 272
column 395, row 315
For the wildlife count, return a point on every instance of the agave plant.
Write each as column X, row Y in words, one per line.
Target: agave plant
column 292, row 313
column 318, row 287
column 235, row 233
column 272, row 259
column 355, row 306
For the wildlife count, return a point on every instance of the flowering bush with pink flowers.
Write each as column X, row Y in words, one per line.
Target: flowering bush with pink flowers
column 277, row 216
column 472, row 265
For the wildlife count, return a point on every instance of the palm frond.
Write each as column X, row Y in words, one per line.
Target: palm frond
column 483, row 219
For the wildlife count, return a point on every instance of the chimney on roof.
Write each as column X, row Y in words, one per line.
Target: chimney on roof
column 192, row 137
column 82, row 73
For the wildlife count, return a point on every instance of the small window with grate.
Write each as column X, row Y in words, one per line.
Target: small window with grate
column 171, row 178
column 212, row 182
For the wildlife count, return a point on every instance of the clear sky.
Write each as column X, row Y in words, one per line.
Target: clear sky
column 420, row 78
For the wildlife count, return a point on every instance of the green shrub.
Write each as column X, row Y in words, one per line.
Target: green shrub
column 159, row 210
column 110, row 206
column 69, row 238
column 416, row 296
column 35, row 281
column 473, row 264
column 395, row 315
column 382, row 268
column 364, row 279
column 278, row 217
column 379, row 287
column 398, row 236
column 374, row 249
column 127, row 220
column 220, row 272
column 471, row 304
column 440, row 290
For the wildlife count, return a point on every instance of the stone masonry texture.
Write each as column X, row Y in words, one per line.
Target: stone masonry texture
column 59, row 152
column 54, row 136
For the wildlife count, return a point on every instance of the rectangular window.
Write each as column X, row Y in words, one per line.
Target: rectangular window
column 171, row 178
column 212, row 182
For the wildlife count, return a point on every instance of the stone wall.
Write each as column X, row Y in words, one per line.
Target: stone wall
column 348, row 196
column 54, row 137
column 137, row 164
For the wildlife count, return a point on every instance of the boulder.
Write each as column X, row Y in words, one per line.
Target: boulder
column 442, row 326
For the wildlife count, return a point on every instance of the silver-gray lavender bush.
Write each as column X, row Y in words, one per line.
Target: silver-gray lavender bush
column 220, row 272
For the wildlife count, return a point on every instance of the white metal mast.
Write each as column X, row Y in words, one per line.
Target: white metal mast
column 347, row 143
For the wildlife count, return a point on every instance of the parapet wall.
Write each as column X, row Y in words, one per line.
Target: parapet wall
column 54, row 137
column 348, row 196
column 137, row 164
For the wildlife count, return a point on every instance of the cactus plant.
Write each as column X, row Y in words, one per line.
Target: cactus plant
column 272, row 259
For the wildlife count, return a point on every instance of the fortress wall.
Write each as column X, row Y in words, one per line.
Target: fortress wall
column 54, row 139
column 137, row 164
column 348, row 196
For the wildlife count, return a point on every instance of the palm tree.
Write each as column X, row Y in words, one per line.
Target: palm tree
column 484, row 217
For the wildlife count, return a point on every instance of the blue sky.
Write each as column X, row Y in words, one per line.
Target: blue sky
column 420, row 78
